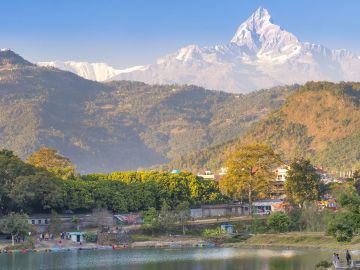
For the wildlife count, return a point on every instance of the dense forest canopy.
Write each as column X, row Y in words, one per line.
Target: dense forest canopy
column 24, row 187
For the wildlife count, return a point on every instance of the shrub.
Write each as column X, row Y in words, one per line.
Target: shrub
column 259, row 226
column 215, row 235
column 323, row 265
column 90, row 237
column 342, row 232
column 342, row 225
column 279, row 222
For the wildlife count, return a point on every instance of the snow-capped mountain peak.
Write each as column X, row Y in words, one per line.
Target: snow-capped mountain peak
column 261, row 54
column 188, row 53
column 258, row 34
column 254, row 25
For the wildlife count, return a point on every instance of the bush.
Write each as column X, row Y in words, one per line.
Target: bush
column 341, row 226
column 279, row 222
column 259, row 226
column 90, row 237
column 341, row 232
column 295, row 215
column 215, row 235
column 323, row 265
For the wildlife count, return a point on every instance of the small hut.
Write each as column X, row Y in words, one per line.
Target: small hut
column 77, row 237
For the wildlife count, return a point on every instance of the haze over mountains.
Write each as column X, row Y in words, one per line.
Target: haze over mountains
column 126, row 124
column 260, row 55
column 121, row 125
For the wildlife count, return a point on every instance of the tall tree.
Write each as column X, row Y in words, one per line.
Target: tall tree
column 356, row 179
column 183, row 215
column 150, row 220
column 166, row 219
column 11, row 167
column 250, row 172
column 15, row 224
column 51, row 160
column 302, row 182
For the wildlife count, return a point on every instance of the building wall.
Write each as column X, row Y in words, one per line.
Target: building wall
column 218, row 211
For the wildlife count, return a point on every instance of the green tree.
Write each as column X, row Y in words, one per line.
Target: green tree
column 79, row 195
column 356, row 179
column 15, row 224
column 150, row 216
column 183, row 215
column 150, row 220
column 278, row 222
column 250, row 172
column 51, row 160
column 166, row 219
column 302, row 182
column 345, row 224
column 37, row 193
column 11, row 167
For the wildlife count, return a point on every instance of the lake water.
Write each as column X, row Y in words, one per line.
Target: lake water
column 168, row 259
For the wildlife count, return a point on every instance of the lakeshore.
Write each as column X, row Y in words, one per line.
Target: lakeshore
column 302, row 240
column 292, row 240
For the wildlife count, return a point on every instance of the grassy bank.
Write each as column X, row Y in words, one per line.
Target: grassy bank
column 296, row 240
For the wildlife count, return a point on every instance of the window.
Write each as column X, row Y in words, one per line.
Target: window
column 32, row 221
column 46, row 221
column 39, row 221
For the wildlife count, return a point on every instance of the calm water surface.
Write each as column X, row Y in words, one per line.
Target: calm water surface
column 168, row 259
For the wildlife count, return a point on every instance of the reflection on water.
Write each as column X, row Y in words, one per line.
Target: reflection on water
column 173, row 259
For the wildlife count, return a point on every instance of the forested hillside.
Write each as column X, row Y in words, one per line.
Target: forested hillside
column 120, row 125
column 321, row 121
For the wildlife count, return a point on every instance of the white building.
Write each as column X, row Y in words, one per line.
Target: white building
column 281, row 173
column 77, row 237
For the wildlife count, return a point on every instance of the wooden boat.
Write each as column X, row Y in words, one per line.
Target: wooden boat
column 116, row 247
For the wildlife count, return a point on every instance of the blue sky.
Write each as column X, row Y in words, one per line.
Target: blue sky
column 132, row 32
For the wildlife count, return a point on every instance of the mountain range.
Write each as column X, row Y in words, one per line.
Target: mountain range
column 119, row 125
column 260, row 55
column 91, row 71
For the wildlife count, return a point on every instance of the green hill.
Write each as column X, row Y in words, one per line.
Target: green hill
column 119, row 125
column 321, row 121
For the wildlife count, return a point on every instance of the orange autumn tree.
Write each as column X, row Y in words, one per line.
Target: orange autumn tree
column 49, row 159
column 250, row 170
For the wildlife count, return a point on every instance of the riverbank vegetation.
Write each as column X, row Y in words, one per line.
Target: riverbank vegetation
column 37, row 186
column 47, row 181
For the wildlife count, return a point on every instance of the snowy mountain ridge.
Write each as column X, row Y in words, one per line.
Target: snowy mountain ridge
column 260, row 55
column 91, row 71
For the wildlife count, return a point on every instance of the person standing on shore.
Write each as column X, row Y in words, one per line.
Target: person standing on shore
column 335, row 259
column 348, row 257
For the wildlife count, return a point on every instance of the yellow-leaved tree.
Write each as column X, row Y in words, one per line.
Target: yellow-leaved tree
column 49, row 159
column 250, row 171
